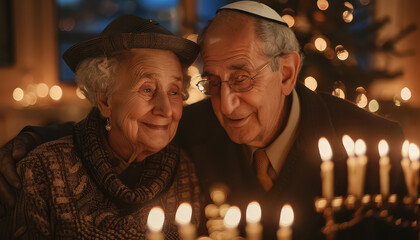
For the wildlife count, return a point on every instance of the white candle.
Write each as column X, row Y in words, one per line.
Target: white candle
column 384, row 167
column 285, row 223
column 405, row 163
column 327, row 168
column 155, row 224
column 187, row 231
column 351, row 165
column 231, row 222
column 253, row 216
column 360, row 150
column 413, row 153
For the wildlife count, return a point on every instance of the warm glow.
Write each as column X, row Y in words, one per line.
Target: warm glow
column 322, row 5
column 383, row 148
column 324, row 149
column 404, row 149
column 338, row 92
column 405, row 94
column 413, row 152
column 31, row 98
column 42, row 90
column 253, row 212
column 373, row 105
column 348, row 145
column 289, row 20
column 183, row 214
column 155, row 219
column 361, row 100
column 347, row 16
column 286, row 216
column 348, row 5
column 311, row 83
column 341, row 52
column 360, row 147
column 320, row 44
column 80, row 94
column 232, row 217
column 56, row 93
column 18, row 94
column 218, row 196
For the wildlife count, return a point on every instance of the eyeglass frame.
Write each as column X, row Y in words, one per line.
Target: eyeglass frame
column 251, row 85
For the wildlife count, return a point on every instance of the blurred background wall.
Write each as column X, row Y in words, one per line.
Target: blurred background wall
column 382, row 45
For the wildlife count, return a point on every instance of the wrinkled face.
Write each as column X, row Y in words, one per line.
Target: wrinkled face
column 230, row 47
column 146, row 104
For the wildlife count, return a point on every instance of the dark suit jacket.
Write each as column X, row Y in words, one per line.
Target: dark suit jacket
column 218, row 159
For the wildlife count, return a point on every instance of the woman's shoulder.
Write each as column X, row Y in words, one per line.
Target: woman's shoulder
column 48, row 153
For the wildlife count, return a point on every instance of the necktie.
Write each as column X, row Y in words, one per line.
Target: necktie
column 261, row 164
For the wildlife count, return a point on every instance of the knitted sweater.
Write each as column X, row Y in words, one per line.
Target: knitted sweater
column 70, row 190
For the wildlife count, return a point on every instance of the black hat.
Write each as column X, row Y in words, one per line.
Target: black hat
column 128, row 32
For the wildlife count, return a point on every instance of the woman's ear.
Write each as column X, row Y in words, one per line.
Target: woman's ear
column 289, row 65
column 104, row 104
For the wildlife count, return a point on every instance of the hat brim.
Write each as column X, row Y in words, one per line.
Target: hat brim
column 184, row 49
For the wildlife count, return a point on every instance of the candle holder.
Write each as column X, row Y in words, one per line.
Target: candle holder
column 342, row 213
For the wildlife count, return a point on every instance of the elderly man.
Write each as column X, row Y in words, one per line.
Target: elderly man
column 258, row 133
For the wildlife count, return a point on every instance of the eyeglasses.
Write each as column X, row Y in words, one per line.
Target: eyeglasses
column 210, row 85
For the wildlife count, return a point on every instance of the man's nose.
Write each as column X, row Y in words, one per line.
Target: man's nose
column 229, row 100
column 162, row 105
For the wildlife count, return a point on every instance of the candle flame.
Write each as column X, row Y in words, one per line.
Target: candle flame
column 253, row 212
column 360, row 147
column 404, row 150
column 286, row 216
column 413, row 152
column 232, row 217
column 383, row 148
column 155, row 219
column 324, row 149
column 348, row 145
column 183, row 214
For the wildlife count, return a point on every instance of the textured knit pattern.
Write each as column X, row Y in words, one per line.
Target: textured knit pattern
column 71, row 192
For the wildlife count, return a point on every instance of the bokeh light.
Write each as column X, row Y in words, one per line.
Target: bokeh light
column 322, row 4
column 320, row 44
column 31, row 98
column 42, row 90
column 289, row 20
column 311, row 83
column 338, row 92
column 56, row 93
column 361, row 100
column 373, row 105
column 347, row 16
column 80, row 94
column 18, row 94
column 405, row 94
column 341, row 52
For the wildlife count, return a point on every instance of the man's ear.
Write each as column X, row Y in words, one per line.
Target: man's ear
column 104, row 104
column 289, row 66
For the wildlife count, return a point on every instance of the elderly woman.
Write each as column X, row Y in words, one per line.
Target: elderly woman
column 102, row 181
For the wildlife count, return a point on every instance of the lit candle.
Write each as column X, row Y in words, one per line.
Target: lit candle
column 155, row 224
column 253, row 216
column 187, row 231
column 405, row 164
column 360, row 150
column 413, row 153
column 285, row 223
column 231, row 222
column 351, row 165
column 384, row 167
column 327, row 168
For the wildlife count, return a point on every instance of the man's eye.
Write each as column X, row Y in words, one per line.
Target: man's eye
column 240, row 79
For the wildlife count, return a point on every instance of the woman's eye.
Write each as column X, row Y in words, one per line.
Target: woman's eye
column 147, row 90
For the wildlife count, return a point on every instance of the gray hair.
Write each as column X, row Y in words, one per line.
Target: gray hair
column 274, row 39
column 96, row 75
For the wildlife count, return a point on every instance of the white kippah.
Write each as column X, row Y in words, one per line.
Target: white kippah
column 256, row 9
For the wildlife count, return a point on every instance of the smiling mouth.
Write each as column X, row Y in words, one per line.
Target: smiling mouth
column 156, row 127
column 236, row 122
